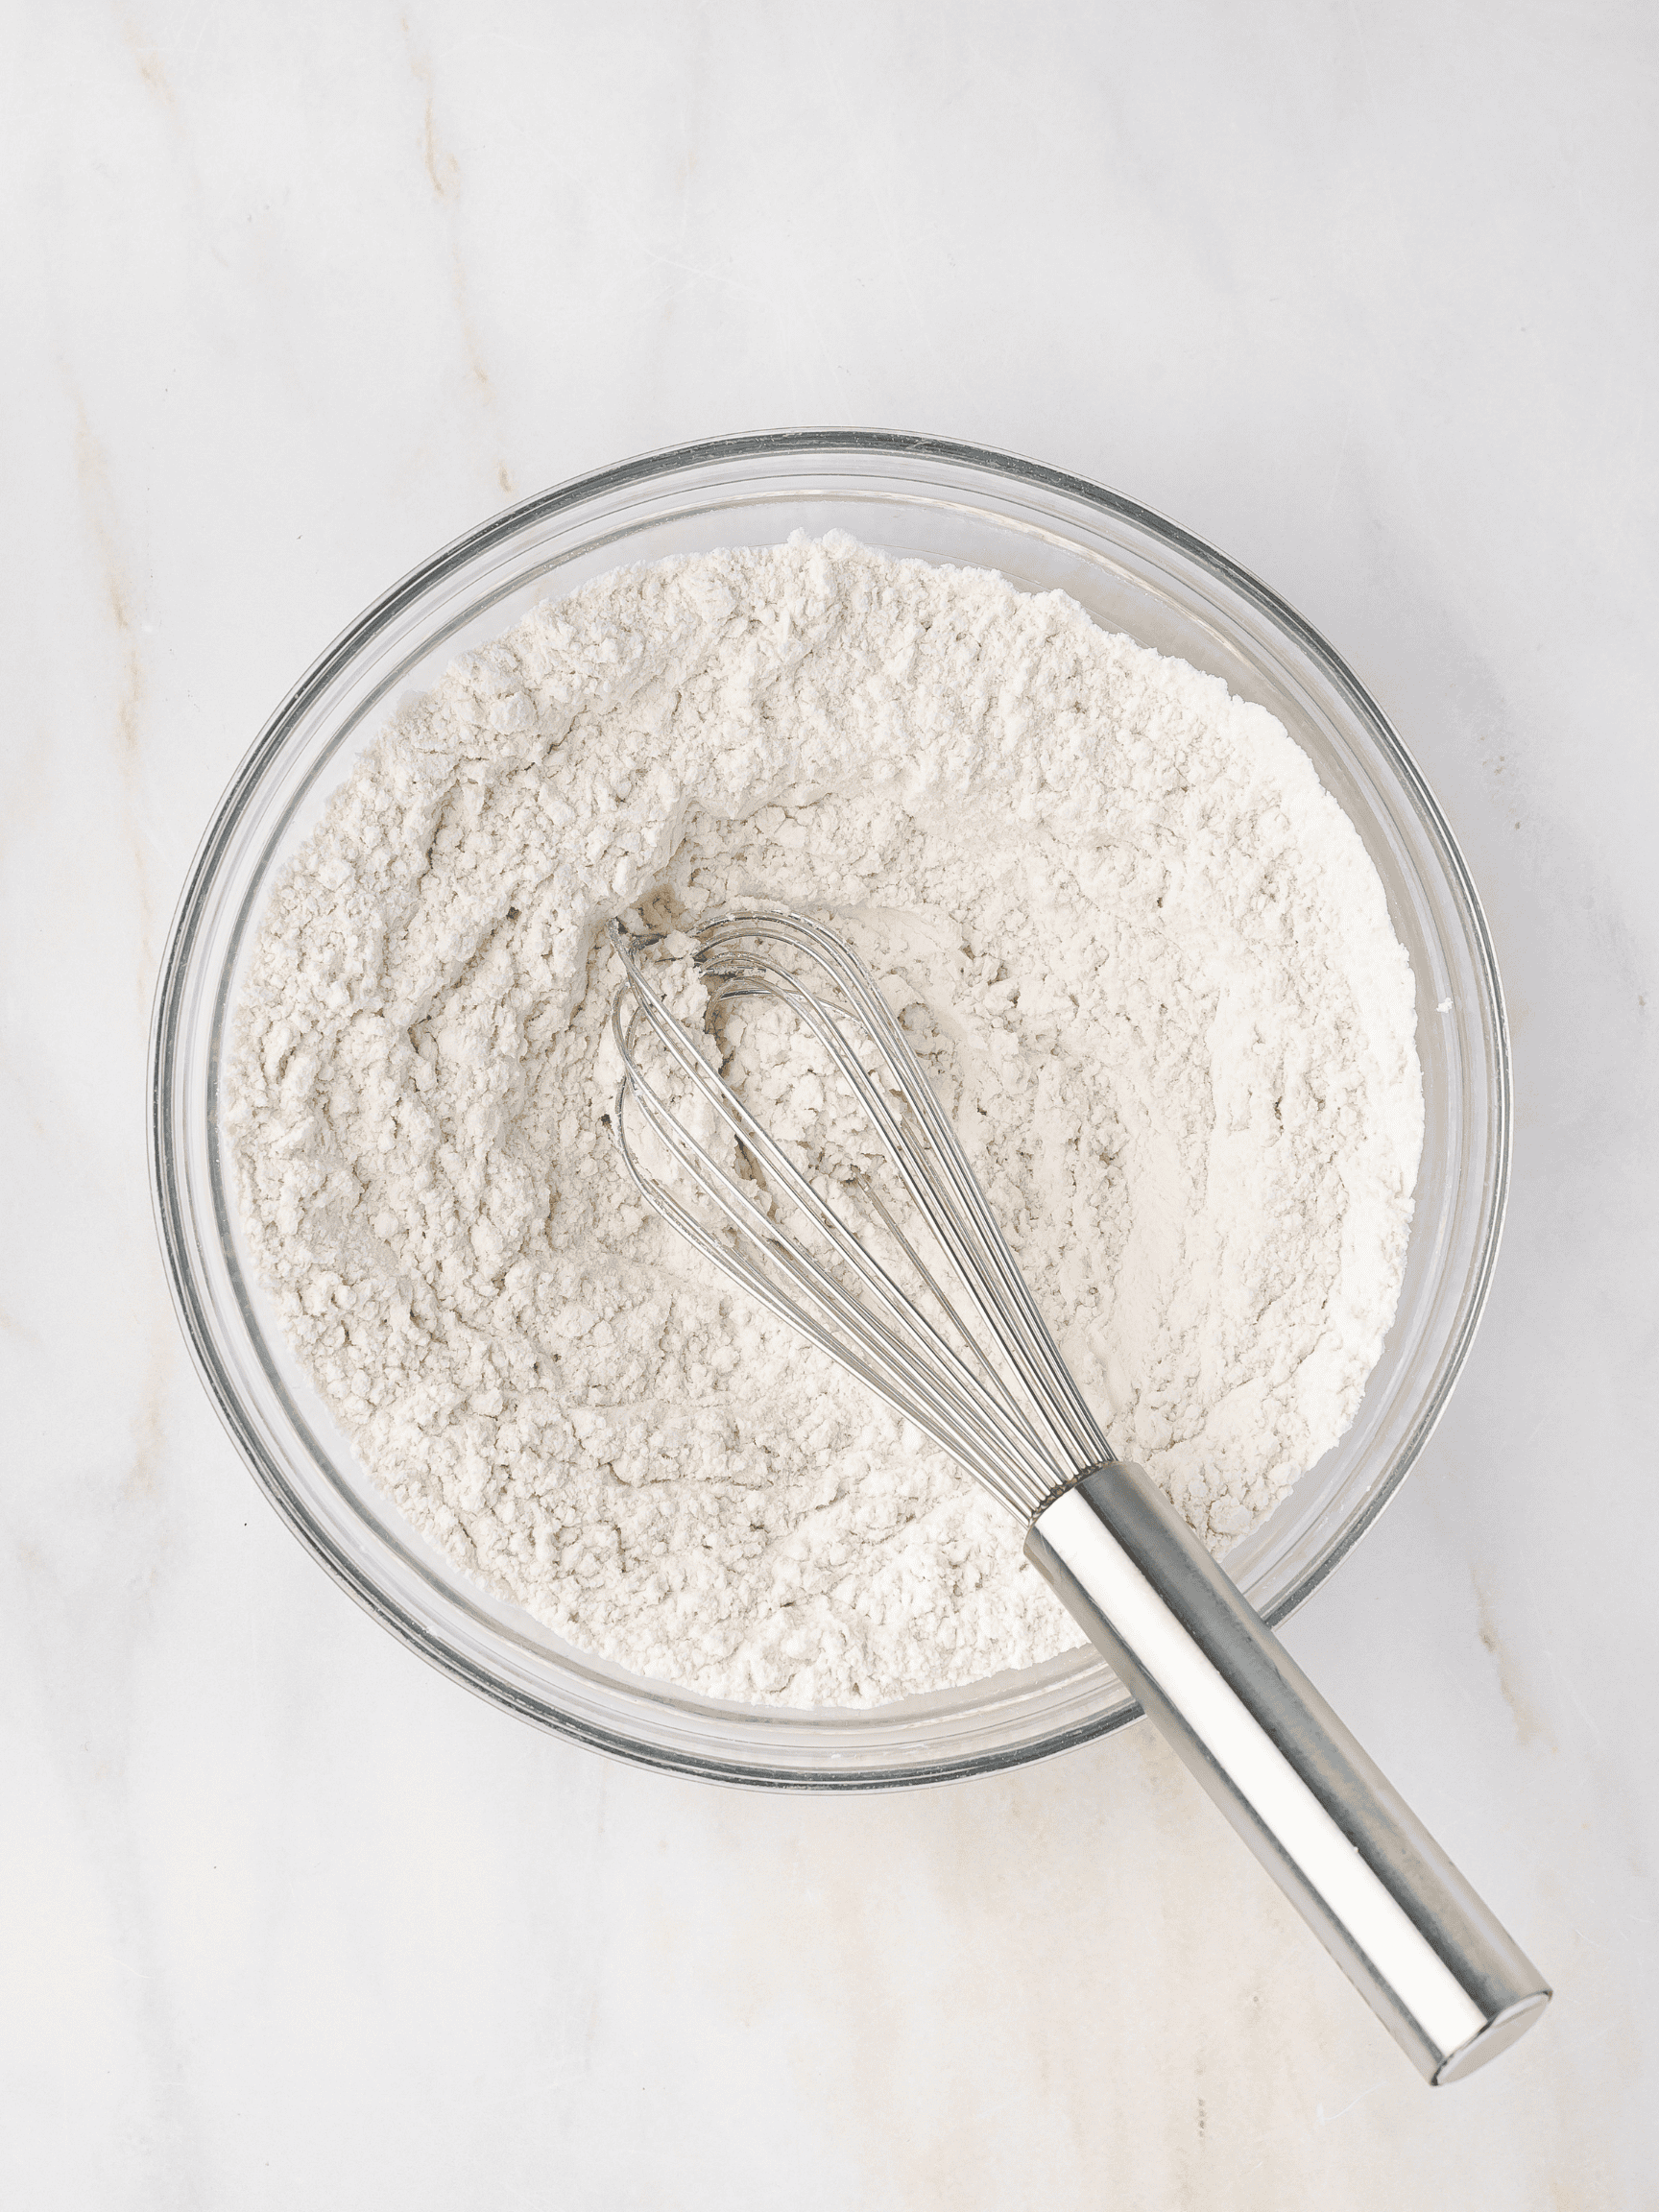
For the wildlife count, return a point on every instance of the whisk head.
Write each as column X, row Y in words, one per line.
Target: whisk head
column 895, row 1264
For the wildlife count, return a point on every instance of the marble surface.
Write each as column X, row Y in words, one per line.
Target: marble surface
column 296, row 294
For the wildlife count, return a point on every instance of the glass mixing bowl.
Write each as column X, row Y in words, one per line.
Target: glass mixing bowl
column 942, row 502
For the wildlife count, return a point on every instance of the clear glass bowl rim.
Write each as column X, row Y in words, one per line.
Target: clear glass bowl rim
column 171, row 1202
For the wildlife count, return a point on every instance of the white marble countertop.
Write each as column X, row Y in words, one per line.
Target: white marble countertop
column 1363, row 297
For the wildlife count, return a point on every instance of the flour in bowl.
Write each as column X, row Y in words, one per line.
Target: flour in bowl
column 1144, row 953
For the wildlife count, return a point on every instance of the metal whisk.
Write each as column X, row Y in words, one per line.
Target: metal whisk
column 974, row 1366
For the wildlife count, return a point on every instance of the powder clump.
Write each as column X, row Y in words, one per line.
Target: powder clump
column 1143, row 951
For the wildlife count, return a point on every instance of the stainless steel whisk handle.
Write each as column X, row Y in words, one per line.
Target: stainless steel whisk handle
column 1398, row 1917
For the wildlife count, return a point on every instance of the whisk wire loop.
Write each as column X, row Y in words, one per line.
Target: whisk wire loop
column 767, row 979
column 1024, row 1442
column 969, row 1230
column 833, row 1320
column 902, row 1377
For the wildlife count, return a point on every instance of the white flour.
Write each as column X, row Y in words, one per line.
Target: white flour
column 1145, row 951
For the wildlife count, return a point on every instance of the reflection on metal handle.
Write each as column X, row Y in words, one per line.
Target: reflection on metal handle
column 1386, row 1901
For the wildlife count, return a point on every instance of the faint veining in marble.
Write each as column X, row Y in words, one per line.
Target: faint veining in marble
column 149, row 1434
column 148, row 57
column 443, row 174
column 1529, row 1722
column 92, row 478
